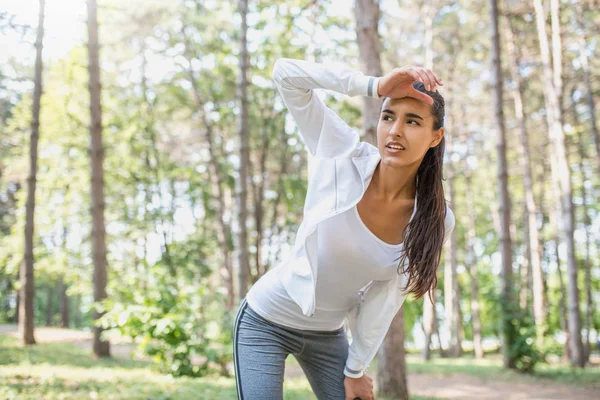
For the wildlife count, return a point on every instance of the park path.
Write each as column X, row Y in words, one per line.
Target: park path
column 443, row 386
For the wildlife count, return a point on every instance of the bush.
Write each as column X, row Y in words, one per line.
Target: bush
column 186, row 330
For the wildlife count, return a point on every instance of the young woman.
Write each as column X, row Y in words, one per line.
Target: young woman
column 364, row 242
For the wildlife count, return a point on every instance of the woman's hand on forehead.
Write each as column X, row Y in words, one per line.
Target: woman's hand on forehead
column 399, row 83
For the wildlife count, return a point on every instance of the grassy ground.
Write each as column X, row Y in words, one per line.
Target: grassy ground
column 64, row 371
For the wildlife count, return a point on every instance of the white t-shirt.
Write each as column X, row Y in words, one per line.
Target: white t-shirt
column 350, row 256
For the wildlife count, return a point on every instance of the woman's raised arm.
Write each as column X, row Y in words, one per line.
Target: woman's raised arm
column 324, row 132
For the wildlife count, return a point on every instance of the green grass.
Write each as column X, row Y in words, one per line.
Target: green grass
column 65, row 371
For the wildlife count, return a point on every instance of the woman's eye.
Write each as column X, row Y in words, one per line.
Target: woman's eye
column 412, row 120
column 386, row 116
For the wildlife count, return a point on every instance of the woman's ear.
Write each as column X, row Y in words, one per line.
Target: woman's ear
column 437, row 137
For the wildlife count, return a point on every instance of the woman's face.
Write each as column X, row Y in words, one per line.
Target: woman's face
column 406, row 124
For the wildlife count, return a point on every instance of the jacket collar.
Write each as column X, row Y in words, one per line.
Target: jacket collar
column 366, row 165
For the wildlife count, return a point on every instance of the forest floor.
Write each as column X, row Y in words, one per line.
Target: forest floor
column 463, row 378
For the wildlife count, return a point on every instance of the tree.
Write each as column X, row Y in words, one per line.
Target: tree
column 101, row 347
column 26, row 305
column 560, row 168
column 367, row 14
column 244, row 140
column 503, row 195
column 532, row 238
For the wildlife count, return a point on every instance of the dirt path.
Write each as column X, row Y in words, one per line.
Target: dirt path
column 444, row 386
column 462, row 386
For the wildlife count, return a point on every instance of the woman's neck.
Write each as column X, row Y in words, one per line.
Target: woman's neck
column 392, row 184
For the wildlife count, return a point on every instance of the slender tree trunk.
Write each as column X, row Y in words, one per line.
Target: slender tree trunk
column 472, row 265
column 451, row 288
column 391, row 370
column 258, row 193
column 503, row 195
column 49, row 305
column 588, row 237
column 560, row 167
column 101, row 346
column 366, row 15
column 26, row 306
column 428, row 323
column 533, row 253
column 244, row 138
column 78, row 311
column 64, row 303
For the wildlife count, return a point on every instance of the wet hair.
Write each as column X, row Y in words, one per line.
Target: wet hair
column 425, row 232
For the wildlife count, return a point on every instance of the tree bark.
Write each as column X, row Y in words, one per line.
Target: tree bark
column 391, row 361
column 101, row 347
column 367, row 15
column 533, row 253
column 587, row 223
column 560, row 167
column 244, row 138
column 503, row 195
column 26, row 306
column 64, row 303
column 428, row 323
column 472, row 265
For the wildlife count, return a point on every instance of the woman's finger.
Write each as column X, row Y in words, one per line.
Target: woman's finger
column 427, row 81
column 432, row 82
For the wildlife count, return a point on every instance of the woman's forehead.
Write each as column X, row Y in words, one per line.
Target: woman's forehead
column 409, row 103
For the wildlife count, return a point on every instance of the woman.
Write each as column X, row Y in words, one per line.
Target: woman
column 363, row 244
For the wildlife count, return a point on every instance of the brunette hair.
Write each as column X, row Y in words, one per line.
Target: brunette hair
column 424, row 241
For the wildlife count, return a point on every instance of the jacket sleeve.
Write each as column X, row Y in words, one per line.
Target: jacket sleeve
column 371, row 319
column 323, row 131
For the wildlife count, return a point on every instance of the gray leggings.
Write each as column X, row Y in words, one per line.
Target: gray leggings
column 260, row 348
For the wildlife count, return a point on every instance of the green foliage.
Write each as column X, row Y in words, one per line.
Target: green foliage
column 520, row 329
column 185, row 328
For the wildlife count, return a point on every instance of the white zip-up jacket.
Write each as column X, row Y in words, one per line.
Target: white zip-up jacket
column 343, row 169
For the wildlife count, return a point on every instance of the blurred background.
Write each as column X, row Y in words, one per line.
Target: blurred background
column 150, row 174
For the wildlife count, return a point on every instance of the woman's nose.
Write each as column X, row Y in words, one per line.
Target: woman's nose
column 397, row 130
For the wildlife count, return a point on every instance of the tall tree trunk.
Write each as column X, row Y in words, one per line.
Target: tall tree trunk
column 472, row 265
column 503, row 196
column 26, row 306
column 560, row 167
column 64, row 303
column 428, row 323
column 49, row 305
column 391, row 362
column 78, row 311
column 101, row 346
column 258, row 192
column 366, row 15
column 533, row 253
column 244, row 139
column 587, row 223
